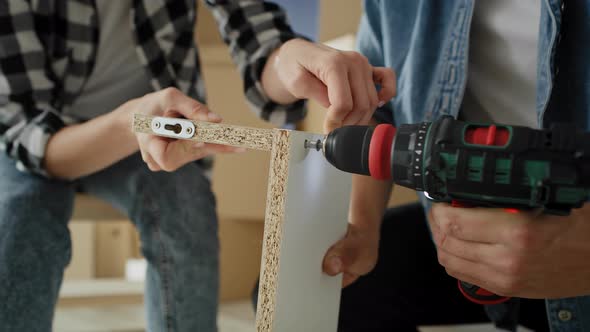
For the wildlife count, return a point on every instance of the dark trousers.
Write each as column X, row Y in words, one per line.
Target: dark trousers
column 408, row 288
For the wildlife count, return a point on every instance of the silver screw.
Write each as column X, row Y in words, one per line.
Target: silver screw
column 189, row 130
column 156, row 125
column 316, row 145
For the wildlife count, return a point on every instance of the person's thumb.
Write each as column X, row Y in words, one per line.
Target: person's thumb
column 385, row 77
column 333, row 260
column 338, row 260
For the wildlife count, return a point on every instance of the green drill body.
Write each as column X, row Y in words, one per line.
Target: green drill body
column 473, row 164
column 512, row 166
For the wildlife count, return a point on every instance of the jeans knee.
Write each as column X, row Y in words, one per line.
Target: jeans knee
column 177, row 209
column 34, row 213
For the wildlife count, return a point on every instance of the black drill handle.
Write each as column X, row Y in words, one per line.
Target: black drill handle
column 479, row 295
column 473, row 292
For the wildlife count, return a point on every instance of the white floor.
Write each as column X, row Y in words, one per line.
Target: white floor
column 233, row 317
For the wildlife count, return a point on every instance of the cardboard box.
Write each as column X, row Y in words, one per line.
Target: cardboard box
column 82, row 263
column 338, row 18
column 114, row 245
column 90, row 208
column 241, row 250
column 206, row 31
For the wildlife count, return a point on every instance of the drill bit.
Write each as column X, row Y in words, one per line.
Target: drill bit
column 317, row 145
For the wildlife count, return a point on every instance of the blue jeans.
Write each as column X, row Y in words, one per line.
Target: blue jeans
column 173, row 212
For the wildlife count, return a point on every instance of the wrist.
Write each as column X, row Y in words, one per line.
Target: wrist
column 272, row 84
column 123, row 122
column 367, row 221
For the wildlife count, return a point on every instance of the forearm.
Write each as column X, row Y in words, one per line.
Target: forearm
column 368, row 201
column 86, row 148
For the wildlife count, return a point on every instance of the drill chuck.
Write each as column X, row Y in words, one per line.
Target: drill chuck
column 382, row 152
column 343, row 147
column 347, row 148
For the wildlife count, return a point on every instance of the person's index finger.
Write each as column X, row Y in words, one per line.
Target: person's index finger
column 214, row 117
column 173, row 99
column 385, row 77
column 484, row 225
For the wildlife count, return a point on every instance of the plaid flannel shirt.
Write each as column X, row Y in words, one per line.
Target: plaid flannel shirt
column 48, row 49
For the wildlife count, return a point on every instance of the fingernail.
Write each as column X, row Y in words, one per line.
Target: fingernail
column 381, row 103
column 213, row 117
column 199, row 145
column 336, row 264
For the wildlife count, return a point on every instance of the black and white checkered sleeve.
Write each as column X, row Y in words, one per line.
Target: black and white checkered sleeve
column 26, row 118
column 253, row 29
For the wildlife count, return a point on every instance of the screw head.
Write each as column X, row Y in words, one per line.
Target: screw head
column 156, row 124
column 189, row 130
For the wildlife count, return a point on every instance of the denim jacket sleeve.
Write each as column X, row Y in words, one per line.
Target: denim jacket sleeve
column 369, row 41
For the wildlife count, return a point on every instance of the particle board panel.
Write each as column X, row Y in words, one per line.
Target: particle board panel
column 306, row 212
column 241, row 137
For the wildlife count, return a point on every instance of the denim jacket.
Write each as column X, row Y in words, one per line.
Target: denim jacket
column 426, row 42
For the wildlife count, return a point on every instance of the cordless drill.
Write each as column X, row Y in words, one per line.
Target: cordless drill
column 468, row 164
